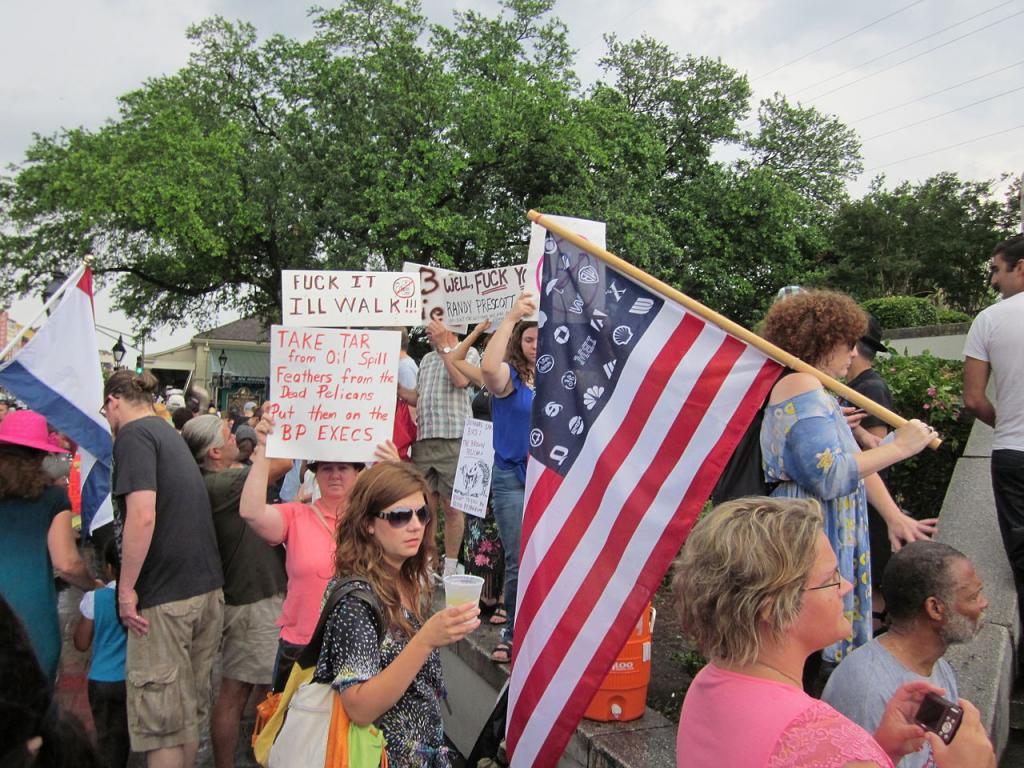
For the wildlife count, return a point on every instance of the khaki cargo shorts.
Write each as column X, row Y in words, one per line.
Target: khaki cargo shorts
column 249, row 643
column 168, row 671
column 438, row 458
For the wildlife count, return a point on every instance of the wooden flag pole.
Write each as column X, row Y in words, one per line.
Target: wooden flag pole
column 777, row 353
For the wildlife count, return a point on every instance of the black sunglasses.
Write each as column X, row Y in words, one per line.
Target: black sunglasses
column 400, row 517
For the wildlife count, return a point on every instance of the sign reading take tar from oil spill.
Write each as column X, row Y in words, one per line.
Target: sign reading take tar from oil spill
column 333, row 392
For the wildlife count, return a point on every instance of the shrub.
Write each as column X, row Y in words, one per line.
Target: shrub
column 902, row 311
column 953, row 316
column 928, row 388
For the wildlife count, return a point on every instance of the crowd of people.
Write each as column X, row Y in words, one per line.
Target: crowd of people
column 218, row 552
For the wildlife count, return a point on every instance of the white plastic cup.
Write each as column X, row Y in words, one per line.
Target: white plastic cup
column 462, row 588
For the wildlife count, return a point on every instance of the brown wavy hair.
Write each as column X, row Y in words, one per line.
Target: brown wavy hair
column 812, row 324
column 131, row 386
column 739, row 579
column 359, row 554
column 514, row 352
column 21, row 472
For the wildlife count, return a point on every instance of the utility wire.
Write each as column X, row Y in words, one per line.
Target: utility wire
column 904, row 47
column 918, row 55
column 839, row 39
column 943, row 114
column 943, row 149
column 934, row 93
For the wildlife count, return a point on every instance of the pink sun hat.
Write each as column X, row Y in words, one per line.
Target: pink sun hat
column 28, row 429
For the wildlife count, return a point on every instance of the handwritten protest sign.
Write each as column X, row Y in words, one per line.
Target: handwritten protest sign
column 594, row 231
column 333, row 392
column 473, row 475
column 461, row 299
column 332, row 299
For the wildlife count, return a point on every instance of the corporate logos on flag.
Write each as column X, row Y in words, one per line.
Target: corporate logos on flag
column 598, row 318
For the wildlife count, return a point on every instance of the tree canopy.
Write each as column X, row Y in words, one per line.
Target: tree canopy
column 385, row 138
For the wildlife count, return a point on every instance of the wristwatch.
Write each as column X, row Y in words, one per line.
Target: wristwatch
column 446, row 350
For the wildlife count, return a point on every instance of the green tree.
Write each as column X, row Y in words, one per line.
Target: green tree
column 384, row 138
column 926, row 239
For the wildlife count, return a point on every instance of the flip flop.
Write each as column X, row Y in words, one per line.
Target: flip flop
column 502, row 653
column 499, row 616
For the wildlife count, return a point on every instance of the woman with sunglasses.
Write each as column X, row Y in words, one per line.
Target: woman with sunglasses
column 386, row 541
column 758, row 589
column 810, row 452
column 308, row 532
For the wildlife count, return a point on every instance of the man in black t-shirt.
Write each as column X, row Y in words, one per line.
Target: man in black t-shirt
column 254, row 581
column 169, row 593
column 864, row 379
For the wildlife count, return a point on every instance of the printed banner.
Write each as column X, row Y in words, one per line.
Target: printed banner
column 462, row 299
column 473, row 475
column 333, row 392
column 338, row 299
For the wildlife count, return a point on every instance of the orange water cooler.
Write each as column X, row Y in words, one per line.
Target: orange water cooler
column 623, row 694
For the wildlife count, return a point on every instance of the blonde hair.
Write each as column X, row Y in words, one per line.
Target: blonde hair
column 359, row 554
column 739, row 579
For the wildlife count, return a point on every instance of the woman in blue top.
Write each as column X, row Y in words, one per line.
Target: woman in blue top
column 508, row 367
column 809, row 449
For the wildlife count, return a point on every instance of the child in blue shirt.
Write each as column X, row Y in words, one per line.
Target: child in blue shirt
column 101, row 627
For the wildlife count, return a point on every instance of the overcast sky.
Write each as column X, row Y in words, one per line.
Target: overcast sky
column 64, row 62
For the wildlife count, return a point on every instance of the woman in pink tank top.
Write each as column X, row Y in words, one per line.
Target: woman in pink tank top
column 758, row 590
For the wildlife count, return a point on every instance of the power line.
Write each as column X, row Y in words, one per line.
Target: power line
column 943, row 114
column 917, row 55
column 840, row 39
column 934, row 93
column 943, row 149
column 904, row 47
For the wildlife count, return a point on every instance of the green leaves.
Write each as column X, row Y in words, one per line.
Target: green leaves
column 385, row 139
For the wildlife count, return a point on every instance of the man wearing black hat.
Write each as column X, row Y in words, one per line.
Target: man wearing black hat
column 865, row 380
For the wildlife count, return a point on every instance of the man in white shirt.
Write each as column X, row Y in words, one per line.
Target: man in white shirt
column 995, row 349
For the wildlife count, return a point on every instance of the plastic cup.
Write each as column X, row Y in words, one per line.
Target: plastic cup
column 462, row 588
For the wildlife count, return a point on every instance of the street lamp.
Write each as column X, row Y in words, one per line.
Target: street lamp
column 222, row 358
column 118, row 351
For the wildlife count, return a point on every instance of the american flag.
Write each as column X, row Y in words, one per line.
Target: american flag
column 639, row 405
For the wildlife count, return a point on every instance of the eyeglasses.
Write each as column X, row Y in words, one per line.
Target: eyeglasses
column 837, row 583
column 103, row 408
column 400, row 517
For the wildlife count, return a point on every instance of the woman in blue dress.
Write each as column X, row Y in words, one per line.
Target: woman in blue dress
column 810, row 450
column 37, row 539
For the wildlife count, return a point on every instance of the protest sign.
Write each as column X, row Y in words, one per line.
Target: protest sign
column 473, row 475
column 461, row 299
column 333, row 299
column 594, row 231
column 333, row 392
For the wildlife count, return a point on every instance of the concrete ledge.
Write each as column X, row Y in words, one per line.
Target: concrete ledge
column 979, row 442
column 473, row 683
column 946, row 329
column 986, row 668
column 985, row 674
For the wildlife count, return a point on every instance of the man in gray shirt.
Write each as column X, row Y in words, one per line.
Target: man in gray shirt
column 934, row 599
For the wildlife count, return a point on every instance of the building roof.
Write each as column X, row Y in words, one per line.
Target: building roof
column 243, row 329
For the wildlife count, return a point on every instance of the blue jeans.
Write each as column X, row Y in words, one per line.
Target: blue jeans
column 507, row 498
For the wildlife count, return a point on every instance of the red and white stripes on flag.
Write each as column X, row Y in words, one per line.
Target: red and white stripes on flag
column 673, row 394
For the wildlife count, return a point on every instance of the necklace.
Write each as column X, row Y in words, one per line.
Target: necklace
column 793, row 680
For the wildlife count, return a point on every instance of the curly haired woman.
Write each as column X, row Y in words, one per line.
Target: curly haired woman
column 809, row 449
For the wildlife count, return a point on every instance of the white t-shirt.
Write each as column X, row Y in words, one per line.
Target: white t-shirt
column 407, row 370
column 995, row 338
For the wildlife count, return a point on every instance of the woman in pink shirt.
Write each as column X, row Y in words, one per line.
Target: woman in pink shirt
column 758, row 590
column 308, row 532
